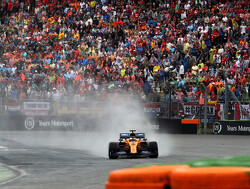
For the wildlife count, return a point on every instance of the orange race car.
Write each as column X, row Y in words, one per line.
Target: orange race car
column 133, row 145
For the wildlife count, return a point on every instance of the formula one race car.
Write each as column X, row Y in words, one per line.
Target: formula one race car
column 133, row 145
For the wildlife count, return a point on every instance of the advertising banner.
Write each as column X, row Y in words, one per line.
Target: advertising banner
column 54, row 123
column 232, row 127
column 239, row 113
column 81, row 109
column 36, row 108
column 176, row 109
column 86, row 123
column 171, row 126
column 13, row 108
column 47, row 123
column 191, row 110
column 219, row 112
column 152, row 109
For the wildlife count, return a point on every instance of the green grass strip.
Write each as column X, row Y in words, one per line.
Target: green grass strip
column 6, row 174
column 240, row 161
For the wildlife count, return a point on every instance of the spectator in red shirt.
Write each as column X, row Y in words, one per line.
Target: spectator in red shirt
column 213, row 96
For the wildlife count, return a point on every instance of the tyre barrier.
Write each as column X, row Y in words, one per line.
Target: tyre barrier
column 154, row 176
column 225, row 173
column 211, row 178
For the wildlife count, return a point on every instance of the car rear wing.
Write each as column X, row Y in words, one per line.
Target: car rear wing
column 127, row 135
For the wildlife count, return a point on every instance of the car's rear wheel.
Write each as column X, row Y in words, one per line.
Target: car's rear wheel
column 113, row 148
column 153, row 148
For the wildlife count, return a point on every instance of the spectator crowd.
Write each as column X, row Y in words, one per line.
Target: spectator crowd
column 140, row 47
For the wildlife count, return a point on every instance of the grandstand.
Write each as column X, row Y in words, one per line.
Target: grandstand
column 91, row 49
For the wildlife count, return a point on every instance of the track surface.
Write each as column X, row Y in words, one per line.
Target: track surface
column 47, row 162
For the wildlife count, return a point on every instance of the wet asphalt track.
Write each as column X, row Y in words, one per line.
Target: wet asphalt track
column 46, row 165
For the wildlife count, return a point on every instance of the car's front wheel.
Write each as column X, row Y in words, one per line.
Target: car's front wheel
column 153, row 148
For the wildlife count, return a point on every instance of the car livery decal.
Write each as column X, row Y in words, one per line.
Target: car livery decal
column 142, row 135
column 124, row 135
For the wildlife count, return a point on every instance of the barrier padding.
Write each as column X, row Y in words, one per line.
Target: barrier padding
column 223, row 173
column 143, row 177
column 190, row 121
column 211, row 178
column 134, row 185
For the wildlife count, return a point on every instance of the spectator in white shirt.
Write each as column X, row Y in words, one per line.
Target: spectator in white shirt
column 181, row 70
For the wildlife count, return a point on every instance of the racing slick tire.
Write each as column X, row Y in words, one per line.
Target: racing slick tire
column 153, row 148
column 113, row 148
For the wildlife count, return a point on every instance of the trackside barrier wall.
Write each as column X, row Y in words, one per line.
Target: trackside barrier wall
column 40, row 123
column 173, row 126
column 232, row 127
column 85, row 123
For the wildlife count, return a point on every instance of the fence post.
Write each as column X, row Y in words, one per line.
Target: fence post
column 205, row 111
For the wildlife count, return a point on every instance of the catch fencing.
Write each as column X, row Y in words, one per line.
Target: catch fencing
column 68, row 106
